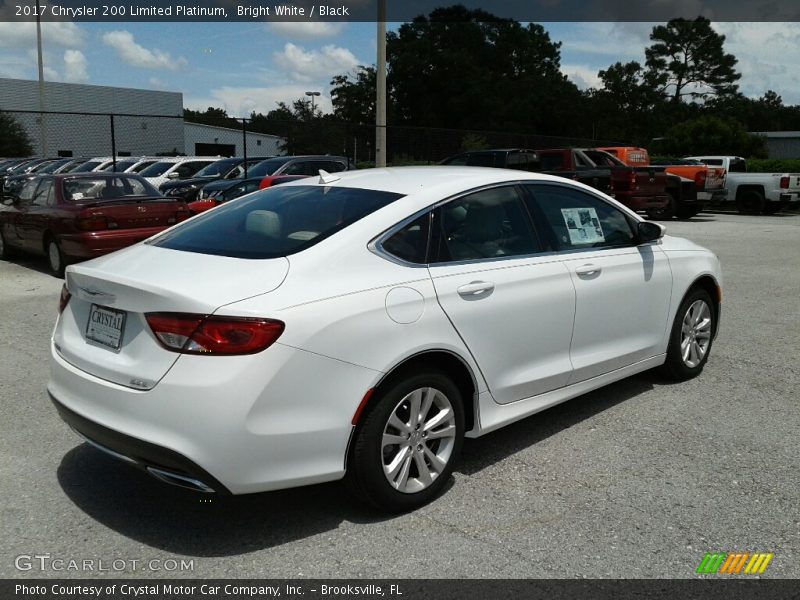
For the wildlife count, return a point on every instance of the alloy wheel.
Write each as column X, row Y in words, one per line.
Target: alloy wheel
column 695, row 333
column 418, row 440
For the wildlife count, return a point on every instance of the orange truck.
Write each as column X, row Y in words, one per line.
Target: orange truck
column 690, row 184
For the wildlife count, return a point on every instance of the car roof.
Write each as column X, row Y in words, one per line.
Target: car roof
column 444, row 180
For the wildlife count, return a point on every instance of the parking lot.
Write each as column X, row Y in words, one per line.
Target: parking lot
column 638, row 479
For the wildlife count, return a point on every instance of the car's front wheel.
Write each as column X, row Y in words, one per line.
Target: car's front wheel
column 407, row 442
column 691, row 336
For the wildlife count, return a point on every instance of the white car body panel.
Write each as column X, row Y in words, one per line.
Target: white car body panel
column 511, row 315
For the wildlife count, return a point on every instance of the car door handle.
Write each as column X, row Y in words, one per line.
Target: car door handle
column 475, row 288
column 588, row 270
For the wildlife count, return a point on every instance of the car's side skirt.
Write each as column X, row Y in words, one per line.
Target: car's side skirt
column 493, row 416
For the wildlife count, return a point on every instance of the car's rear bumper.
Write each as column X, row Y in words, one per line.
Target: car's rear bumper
column 97, row 243
column 713, row 196
column 237, row 424
column 636, row 202
column 163, row 463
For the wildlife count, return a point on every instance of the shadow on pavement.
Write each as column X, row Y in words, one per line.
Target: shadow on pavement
column 183, row 522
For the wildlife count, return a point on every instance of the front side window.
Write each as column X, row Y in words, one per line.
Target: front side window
column 275, row 222
column 576, row 220
column 27, row 192
column 491, row 223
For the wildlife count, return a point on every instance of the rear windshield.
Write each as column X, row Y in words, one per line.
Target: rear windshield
column 80, row 189
column 275, row 222
column 157, row 169
column 266, row 167
column 218, row 169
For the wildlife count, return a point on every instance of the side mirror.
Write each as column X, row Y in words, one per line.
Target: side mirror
column 173, row 175
column 649, row 231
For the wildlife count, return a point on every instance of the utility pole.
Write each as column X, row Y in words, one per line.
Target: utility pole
column 380, row 100
column 42, row 132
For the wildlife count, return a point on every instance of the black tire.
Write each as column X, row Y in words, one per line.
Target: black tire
column 663, row 214
column 6, row 251
column 676, row 367
column 55, row 258
column 366, row 478
column 750, row 202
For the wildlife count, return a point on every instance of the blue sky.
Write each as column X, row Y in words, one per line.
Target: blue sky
column 251, row 66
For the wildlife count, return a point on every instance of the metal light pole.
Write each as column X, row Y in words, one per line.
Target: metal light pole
column 380, row 98
column 312, row 94
column 42, row 133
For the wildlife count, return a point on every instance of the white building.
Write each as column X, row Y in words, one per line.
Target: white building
column 144, row 122
column 206, row 140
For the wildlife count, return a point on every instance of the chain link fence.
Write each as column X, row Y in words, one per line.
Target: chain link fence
column 77, row 134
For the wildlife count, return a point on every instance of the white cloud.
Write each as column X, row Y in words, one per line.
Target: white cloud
column 305, row 30
column 64, row 34
column 582, row 76
column 135, row 55
column 241, row 101
column 767, row 53
column 75, row 67
column 306, row 66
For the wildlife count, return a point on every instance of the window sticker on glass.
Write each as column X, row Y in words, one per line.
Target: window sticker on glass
column 583, row 225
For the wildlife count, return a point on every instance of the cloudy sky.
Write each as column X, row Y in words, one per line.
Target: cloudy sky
column 251, row 66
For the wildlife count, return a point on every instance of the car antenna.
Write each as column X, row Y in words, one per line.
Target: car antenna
column 325, row 177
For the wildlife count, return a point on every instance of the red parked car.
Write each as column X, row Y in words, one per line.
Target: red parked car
column 77, row 216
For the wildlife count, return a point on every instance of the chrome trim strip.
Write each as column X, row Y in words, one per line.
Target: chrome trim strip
column 179, row 480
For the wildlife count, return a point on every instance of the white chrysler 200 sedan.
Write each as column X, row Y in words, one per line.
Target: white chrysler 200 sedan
column 359, row 325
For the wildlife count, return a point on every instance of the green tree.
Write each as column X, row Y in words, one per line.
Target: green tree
column 711, row 135
column 469, row 69
column 353, row 96
column 14, row 140
column 217, row 117
column 687, row 60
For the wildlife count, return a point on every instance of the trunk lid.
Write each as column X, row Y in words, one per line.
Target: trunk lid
column 128, row 214
column 112, row 294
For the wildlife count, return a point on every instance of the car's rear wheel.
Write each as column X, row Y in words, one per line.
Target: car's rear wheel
column 55, row 258
column 692, row 336
column 750, row 202
column 407, row 442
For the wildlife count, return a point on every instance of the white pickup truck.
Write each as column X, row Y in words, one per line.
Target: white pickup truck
column 755, row 193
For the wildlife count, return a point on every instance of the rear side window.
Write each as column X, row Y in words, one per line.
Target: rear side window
column 488, row 224
column 411, row 242
column 275, row 222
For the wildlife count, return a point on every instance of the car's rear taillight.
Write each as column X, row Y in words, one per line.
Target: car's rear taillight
column 785, row 183
column 201, row 334
column 63, row 299
column 700, row 180
column 95, row 223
